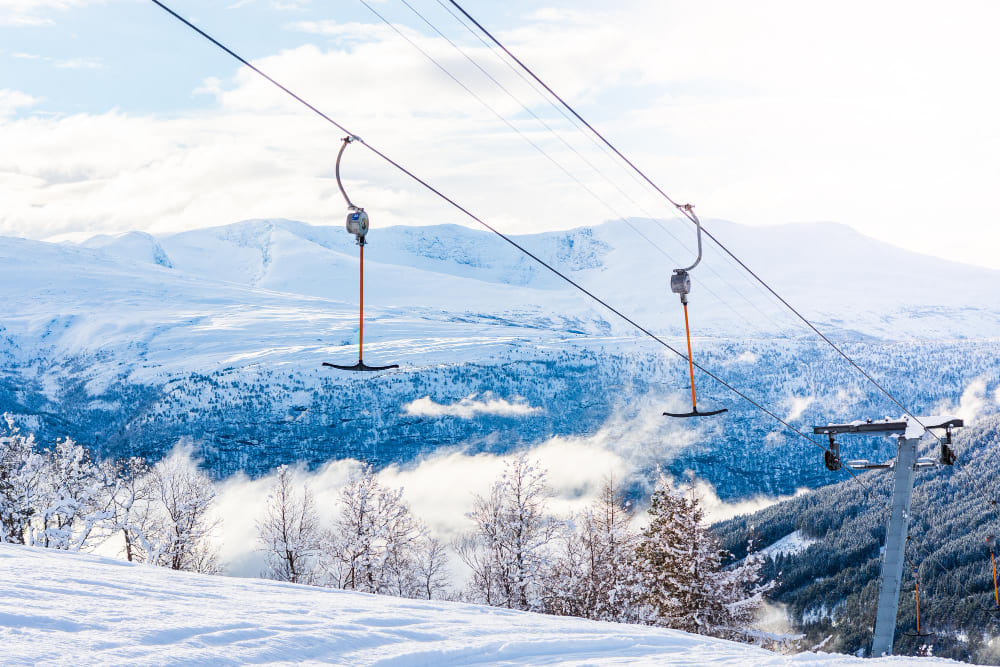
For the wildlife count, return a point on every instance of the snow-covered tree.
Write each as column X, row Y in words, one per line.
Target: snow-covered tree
column 132, row 503
column 684, row 584
column 743, row 593
column 431, row 570
column 182, row 494
column 21, row 469
column 290, row 532
column 678, row 560
column 508, row 550
column 99, row 522
column 595, row 574
column 375, row 539
column 70, row 502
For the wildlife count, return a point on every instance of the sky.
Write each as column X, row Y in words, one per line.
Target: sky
column 881, row 116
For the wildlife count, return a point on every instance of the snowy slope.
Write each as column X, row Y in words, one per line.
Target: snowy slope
column 65, row 301
column 130, row 343
column 831, row 272
column 287, row 291
column 248, row 276
column 60, row 608
column 846, row 282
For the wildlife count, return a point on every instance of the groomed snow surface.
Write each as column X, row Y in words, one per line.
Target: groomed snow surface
column 63, row 608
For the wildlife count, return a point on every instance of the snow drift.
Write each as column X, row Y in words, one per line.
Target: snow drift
column 60, row 608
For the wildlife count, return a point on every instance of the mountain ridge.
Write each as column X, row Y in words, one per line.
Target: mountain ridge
column 128, row 357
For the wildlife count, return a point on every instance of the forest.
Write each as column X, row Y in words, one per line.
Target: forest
column 830, row 587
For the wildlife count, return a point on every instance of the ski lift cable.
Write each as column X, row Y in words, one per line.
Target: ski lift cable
column 617, row 214
column 489, row 227
column 548, row 100
column 599, row 172
column 513, row 127
column 613, row 158
column 605, row 150
column 679, row 206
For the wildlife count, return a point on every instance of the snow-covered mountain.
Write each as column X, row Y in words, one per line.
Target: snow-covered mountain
column 842, row 280
column 62, row 608
column 128, row 343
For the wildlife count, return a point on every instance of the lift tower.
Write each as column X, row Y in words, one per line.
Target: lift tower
column 908, row 433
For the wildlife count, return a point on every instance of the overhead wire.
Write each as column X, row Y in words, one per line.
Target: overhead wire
column 603, row 147
column 582, row 157
column 615, row 212
column 780, row 299
column 511, row 125
column 492, row 229
column 677, row 205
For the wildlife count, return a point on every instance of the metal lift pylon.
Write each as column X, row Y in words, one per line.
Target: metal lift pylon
column 908, row 433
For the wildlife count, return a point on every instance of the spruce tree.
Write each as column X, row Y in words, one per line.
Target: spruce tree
column 680, row 563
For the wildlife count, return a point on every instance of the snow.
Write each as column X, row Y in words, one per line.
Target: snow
column 788, row 545
column 279, row 292
column 63, row 608
column 915, row 428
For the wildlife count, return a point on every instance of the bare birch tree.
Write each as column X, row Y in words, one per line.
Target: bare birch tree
column 290, row 532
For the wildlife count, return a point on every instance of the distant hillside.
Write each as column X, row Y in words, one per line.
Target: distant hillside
column 218, row 335
column 850, row 284
column 829, row 581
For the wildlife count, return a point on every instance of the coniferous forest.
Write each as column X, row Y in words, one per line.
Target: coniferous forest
column 830, row 587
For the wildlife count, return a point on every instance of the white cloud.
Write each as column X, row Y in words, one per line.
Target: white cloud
column 441, row 487
column 972, row 404
column 240, row 502
column 717, row 509
column 62, row 63
column 725, row 114
column 289, row 5
column 12, row 100
column 79, row 63
column 440, row 490
column 469, row 407
column 33, row 12
column 258, row 155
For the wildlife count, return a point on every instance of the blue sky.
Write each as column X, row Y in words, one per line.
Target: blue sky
column 879, row 116
column 128, row 54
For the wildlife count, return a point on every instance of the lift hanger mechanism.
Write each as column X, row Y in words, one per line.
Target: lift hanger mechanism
column 357, row 224
column 680, row 283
